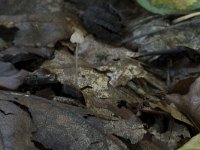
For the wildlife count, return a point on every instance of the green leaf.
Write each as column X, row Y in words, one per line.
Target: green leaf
column 170, row 6
column 193, row 144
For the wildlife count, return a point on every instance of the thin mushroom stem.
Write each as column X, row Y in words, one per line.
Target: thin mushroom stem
column 76, row 62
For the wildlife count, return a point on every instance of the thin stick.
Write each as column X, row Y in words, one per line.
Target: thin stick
column 186, row 17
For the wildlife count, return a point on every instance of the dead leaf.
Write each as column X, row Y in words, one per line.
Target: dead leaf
column 131, row 129
column 104, row 23
column 165, row 36
column 102, row 82
column 171, row 109
column 18, row 54
column 182, row 86
column 98, row 53
column 171, row 137
column 60, row 126
column 189, row 103
column 16, row 127
column 10, row 77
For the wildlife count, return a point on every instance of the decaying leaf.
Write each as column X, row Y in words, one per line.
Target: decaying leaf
column 11, row 78
column 15, row 126
column 189, row 103
column 18, row 54
column 158, row 34
column 182, row 85
column 131, row 129
column 34, row 30
column 125, row 70
column 118, row 94
column 60, row 126
column 101, row 82
column 116, row 61
column 171, row 109
column 99, row 54
column 3, row 44
column 108, row 26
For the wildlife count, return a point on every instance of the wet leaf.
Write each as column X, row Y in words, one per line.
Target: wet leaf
column 36, row 30
column 3, row 44
column 107, row 26
column 37, row 34
column 18, row 54
column 15, row 126
column 11, row 78
column 60, row 126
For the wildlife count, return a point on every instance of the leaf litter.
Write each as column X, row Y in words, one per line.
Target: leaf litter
column 111, row 89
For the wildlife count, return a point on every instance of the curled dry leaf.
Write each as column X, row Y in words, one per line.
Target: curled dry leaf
column 189, row 103
column 171, row 109
column 11, row 78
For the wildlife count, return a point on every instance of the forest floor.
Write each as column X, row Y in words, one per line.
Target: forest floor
column 96, row 74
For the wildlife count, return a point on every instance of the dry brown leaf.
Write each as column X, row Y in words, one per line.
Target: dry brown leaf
column 98, row 53
column 189, row 103
column 101, row 81
column 171, row 109
column 34, row 120
column 131, row 129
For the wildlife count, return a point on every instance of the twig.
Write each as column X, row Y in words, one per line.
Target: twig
column 186, row 17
